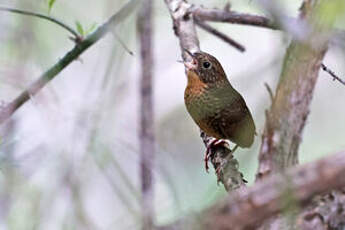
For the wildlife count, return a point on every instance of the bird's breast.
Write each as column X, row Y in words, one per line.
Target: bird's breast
column 199, row 99
column 195, row 87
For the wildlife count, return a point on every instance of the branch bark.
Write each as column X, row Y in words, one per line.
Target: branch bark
column 72, row 55
column 290, row 108
column 217, row 15
column 146, row 133
column 286, row 118
column 251, row 206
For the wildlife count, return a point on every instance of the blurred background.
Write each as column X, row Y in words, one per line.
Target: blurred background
column 69, row 157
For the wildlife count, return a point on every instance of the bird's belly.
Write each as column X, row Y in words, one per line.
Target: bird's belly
column 204, row 111
column 210, row 129
column 223, row 127
column 214, row 117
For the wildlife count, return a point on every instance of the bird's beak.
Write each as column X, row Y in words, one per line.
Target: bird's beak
column 191, row 62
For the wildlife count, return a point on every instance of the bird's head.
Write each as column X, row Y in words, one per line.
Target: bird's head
column 205, row 66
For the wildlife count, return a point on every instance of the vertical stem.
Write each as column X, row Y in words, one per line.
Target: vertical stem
column 146, row 133
column 286, row 118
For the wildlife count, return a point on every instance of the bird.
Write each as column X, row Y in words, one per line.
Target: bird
column 215, row 106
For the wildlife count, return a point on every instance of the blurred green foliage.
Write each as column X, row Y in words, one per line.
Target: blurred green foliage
column 330, row 12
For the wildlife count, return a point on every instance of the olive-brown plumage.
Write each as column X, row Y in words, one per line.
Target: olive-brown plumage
column 215, row 106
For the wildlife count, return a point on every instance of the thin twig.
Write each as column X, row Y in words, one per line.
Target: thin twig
column 72, row 55
column 292, row 25
column 330, row 72
column 122, row 43
column 218, row 15
column 270, row 92
column 220, row 35
column 49, row 18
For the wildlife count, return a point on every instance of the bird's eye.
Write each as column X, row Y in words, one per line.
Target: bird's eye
column 206, row 65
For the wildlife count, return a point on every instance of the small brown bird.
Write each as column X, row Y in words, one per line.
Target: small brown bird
column 215, row 106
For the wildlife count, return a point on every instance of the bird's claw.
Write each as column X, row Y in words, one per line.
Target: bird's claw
column 218, row 171
column 208, row 154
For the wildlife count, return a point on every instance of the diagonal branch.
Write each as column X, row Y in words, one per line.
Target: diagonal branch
column 72, row 55
column 217, row 15
column 330, row 72
column 253, row 205
column 289, row 24
column 220, row 35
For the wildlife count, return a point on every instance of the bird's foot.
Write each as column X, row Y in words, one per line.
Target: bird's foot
column 208, row 154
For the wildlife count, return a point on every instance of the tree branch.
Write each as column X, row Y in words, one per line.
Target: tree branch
column 146, row 133
column 220, row 35
column 292, row 25
column 253, row 205
column 217, row 15
column 72, row 55
column 287, row 116
column 183, row 25
column 290, row 108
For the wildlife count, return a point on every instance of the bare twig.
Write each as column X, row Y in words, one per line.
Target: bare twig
column 222, row 158
column 292, row 25
column 217, row 15
column 253, row 205
column 278, row 22
column 124, row 46
column 220, row 35
column 72, row 55
column 38, row 15
column 330, row 72
column 146, row 133
column 270, row 92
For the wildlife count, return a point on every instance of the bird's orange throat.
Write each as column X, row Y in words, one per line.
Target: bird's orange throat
column 194, row 84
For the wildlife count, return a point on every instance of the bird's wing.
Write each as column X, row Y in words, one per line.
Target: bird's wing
column 235, row 119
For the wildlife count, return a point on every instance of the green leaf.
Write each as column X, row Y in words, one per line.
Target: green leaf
column 50, row 5
column 91, row 28
column 80, row 28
